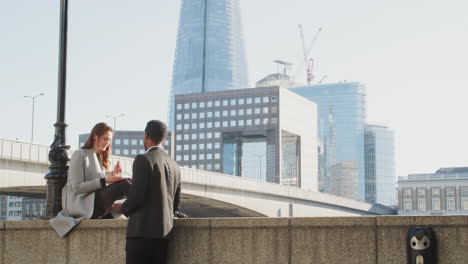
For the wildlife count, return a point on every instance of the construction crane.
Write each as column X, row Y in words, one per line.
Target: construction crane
column 309, row 62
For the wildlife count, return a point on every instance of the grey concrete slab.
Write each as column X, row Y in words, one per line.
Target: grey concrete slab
column 246, row 222
column 391, row 244
column 332, row 221
column 190, row 245
column 326, row 245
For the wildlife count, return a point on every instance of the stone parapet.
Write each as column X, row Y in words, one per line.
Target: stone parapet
column 330, row 240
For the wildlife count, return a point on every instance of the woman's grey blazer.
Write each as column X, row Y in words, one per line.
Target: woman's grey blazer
column 84, row 178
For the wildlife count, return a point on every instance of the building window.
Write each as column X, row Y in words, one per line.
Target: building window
column 134, row 151
column 178, row 127
column 134, row 142
column 241, row 122
column 265, row 110
column 257, row 111
column 125, row 141
column 422, row 204
column 274, row 109
column 435, row 191
column 210, row 156
column 117, row 141
column 125, row 151
column 217, row 166
column 209, row 166
column 209, row 145
column 141, row 142
column 464, row 191
column 265, row 99
column 201, row 166
column 194, row 146
column 209, row 124
column 217, row 124
column 225, row 102
column 233, row 123
column 194, row 105
column 265, row 121
column 186, row 116
column 233, row 102
column 179, row 137
column 201, row 136
column 217, row 103
column 186, row 126
column 201, row 104
column 142, row 151
column 202, row 115
column 179, row 147
column 194, row 115
column 421, row 192
column 216, row 155
column 257, row 121
column 209, row 114
column 408, row 206
column 201, row 125
column 257, row 100
column 209, row 104
column 249, row 100
column 201, row 146
column 117, row 152
column 193, row 166
column 249, row 122
column 216, row 134
column 209, row 135
column 194, row 157
column 451, row 204
column 179, row 106
column 465, row 204
column 241, row 101
column 225, row 123
column 225, row 113
column 179, row 116
column 249, row 111
column 186, row 157
column 186, row 106
column 450, row 191
column 186, row 136
column 216, row 145
column 241, row 112
column 201, row 156
column 194, row 136
column 274, row 98
column 274, row 120
column 186, row 147
column 194, row 125
column 406, row 192
column 233, row 112
column 216, row 113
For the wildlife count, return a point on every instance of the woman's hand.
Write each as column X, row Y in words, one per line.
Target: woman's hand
column 113, row 178
column 117, row 168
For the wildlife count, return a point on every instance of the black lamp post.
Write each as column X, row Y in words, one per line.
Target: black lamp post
column 58, row 155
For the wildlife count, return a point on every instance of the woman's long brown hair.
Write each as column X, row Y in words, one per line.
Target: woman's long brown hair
column 98, row 130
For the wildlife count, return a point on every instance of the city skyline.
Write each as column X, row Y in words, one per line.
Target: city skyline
column 120, row 60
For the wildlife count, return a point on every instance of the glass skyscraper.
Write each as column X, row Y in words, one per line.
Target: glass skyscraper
column 341, row 120
column 210, row 52
column 380, row 165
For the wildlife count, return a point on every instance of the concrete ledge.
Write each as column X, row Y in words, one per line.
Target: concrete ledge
column 322, row 240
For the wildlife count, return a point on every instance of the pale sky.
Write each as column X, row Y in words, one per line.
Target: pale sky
column 412, row 56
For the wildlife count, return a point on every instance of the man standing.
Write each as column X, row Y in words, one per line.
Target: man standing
column 152, row 200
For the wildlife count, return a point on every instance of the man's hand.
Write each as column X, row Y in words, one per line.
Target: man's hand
column 113, row 178
column 117, row 207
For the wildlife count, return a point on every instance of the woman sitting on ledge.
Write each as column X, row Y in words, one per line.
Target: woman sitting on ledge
column 86, row 194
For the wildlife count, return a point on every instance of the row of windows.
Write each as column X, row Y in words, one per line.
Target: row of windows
column 232, row 102
column 226, row 113
column 207, row 135
column 128, row 152
column 436, row 205
column 195, row 157
column 209, row 166
column 198, row 146
column 231, row 123
column 436, row 191
column 134, row 142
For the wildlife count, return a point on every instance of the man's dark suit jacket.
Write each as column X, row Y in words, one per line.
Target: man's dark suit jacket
column 154, row 195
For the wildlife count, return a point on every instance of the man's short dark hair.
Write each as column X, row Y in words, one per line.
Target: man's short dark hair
column 156, row 131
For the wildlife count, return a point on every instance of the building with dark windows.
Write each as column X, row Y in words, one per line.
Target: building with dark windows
column 129, row 143
column 444, row 192
column 268, row 134
column 341, row 120
column 379, row 151
column 210, row 52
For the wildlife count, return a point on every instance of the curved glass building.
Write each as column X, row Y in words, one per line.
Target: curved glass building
column 210, row 52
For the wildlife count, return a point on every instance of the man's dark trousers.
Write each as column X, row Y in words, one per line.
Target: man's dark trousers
column 146, row 250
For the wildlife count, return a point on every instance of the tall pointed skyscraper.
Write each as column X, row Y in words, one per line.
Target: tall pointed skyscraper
column 210, row 52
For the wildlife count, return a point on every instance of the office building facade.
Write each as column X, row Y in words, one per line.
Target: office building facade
column 341, row 120
column 267, row 134
column 210, row 52
column 379, row 148
column 444, row 192
column 127, row 143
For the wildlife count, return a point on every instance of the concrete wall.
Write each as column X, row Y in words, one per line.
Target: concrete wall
column 349, row 240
